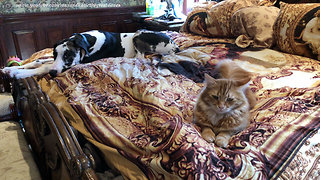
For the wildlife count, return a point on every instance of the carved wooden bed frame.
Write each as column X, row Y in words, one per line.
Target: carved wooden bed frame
column 60, row 152
column 57, row 151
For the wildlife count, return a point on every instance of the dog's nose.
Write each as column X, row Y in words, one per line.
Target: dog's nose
column 177, row 50
column 53, row 73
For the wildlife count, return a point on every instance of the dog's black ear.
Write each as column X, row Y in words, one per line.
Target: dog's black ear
column 60, row 42
column 81, row 42
column 57, row 44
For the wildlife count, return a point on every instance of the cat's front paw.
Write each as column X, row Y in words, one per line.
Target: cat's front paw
column 208, row 135
column 222, row 140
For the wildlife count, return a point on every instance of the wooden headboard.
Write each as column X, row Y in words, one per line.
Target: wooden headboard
column 24, row 34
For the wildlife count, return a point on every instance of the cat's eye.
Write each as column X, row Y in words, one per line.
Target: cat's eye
column 215, row 97
column 229, row 99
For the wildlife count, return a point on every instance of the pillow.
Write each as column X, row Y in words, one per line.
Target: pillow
column 296, row 29
column 215, row 21
column 254, row 26
column 196, row 20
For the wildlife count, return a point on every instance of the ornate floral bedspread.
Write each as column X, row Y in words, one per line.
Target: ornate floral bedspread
column 140, row 114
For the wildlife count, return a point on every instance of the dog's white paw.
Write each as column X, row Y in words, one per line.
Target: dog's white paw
column 9, row 70
column 13, row 72
column 6, row 70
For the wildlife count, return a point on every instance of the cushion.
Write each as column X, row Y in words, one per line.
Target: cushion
column 214, row 21
column 296, row 29
column 254, row 26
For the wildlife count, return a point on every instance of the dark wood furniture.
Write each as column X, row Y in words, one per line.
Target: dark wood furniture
column 60, row 152
column 57, row 151
column 146, row 22
column 156, row 26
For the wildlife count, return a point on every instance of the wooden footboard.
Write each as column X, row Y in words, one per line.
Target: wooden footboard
column 52, row 139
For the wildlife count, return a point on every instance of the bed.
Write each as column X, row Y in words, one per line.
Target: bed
column 135, row 116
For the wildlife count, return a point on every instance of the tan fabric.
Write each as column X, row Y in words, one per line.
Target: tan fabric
column 45, row 53
column 15, row 156
column 290, row 29
column 254, row 26
column 186, row 40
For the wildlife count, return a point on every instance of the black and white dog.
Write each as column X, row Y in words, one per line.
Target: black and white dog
column 93, row 45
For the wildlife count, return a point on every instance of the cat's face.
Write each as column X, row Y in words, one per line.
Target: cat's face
column 223, row 95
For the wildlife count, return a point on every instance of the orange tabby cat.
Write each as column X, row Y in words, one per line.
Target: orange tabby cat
column 222, row 108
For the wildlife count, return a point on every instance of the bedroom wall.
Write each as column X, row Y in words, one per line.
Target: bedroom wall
column 32, row 6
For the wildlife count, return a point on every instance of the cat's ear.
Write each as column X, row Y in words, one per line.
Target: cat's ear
column 209, row 80
column 242, row 81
